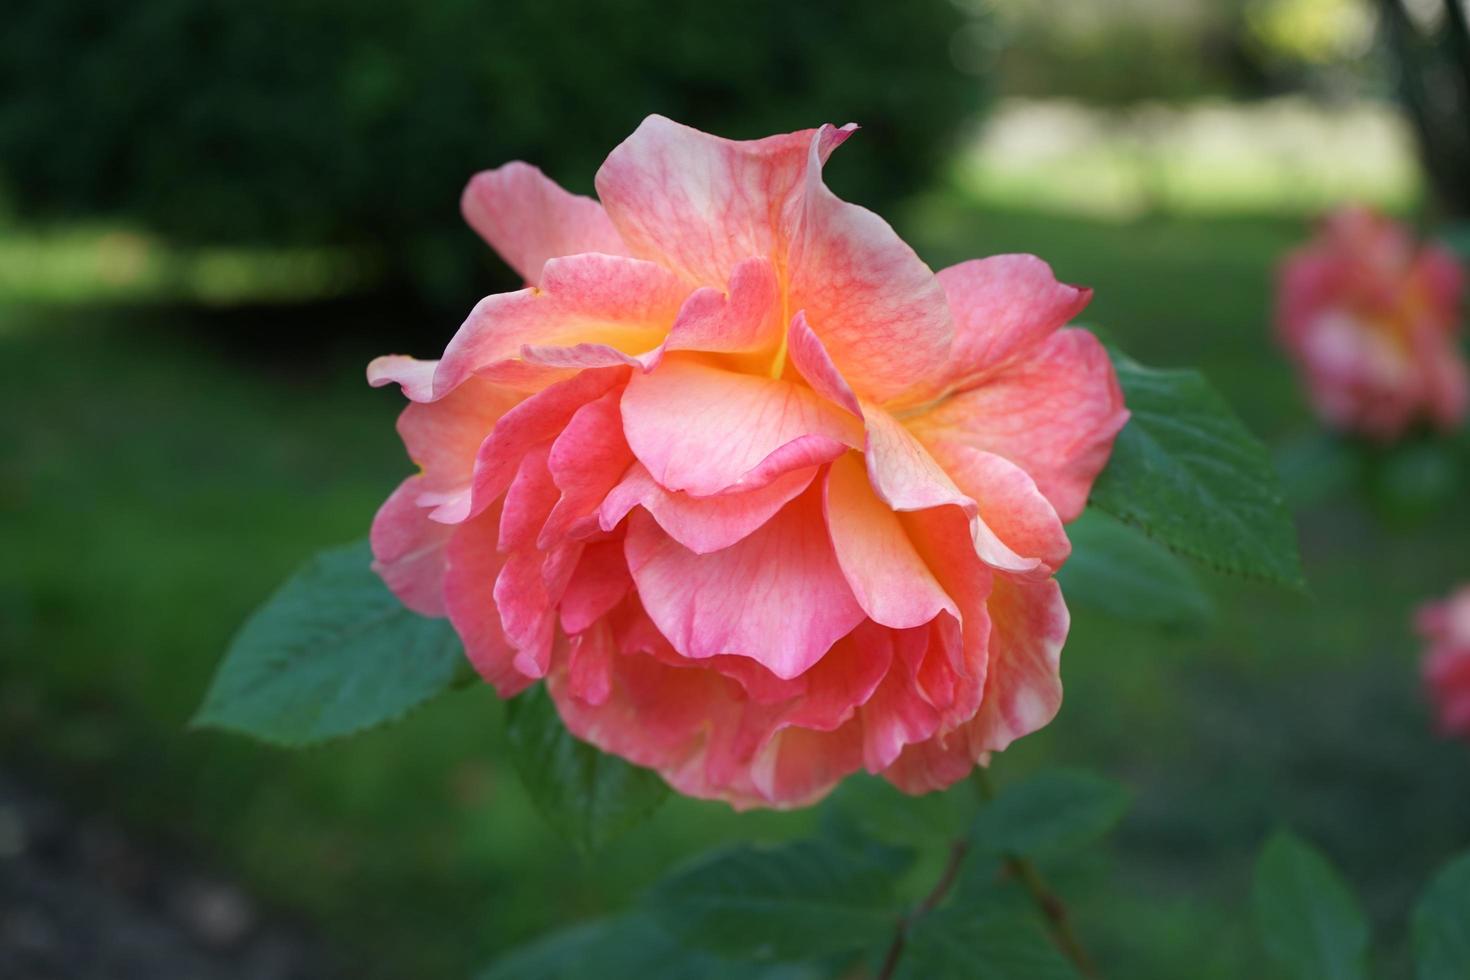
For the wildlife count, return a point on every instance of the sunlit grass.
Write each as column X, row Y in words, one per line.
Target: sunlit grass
column 97, row 264
column 1282, row 156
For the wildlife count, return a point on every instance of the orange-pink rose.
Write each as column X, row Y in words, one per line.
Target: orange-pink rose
column 761, row 498
column 1445, row 627
column 1372, row 319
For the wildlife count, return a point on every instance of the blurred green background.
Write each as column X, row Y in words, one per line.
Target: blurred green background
column 212, row 216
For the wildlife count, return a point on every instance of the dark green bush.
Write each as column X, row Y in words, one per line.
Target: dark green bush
column 341, row 122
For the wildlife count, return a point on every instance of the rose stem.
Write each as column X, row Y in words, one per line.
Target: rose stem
column 1046, row 900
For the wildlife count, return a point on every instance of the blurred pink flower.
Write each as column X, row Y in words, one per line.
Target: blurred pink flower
column 1372, row 319
column 761, row 498
column 1445, row 626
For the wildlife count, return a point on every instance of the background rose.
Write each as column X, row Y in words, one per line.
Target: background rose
column 762, row 498
column 1445, row 626
column 1372, row 318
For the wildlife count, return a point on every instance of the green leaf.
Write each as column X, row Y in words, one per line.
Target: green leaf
column 1116, row 570
column 1189, row 473
column 1457, row 237
column 333, row 652
column 801, row 900
column 1308, row 919
column 586, row 795
column 1052, row 812
column 1442, row 925
column 963, row 943
column 628, row 948
column 874, row 809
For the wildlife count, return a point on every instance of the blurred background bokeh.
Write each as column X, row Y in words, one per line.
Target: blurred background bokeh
column 213, row 214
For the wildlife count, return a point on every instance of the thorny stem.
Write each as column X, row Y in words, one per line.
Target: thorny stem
column 1041, row 894
column 957, row 851
column 1023, row 870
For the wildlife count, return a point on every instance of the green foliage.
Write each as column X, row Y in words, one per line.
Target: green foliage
column 801, row 900
column 336, row 122
column 628, row 948
column 1052, row 812
column 1442, row 925
column 1189, row 473
column 964, row 943
column 1117, row 570
column 332, row 653
column 588, row 796
column 1310, row 922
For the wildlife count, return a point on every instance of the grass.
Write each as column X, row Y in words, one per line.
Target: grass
column 162, row 473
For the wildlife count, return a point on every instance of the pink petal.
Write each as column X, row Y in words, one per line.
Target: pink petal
column 473, row 566
column 800, row 766
column 538, row 419
column 528, row 219
column 700, row 204
column 1054, row 414
column 702, row 524
column 907, row 478
column 442, row 437
column 1009, row 501
column 1002, row 306
column 408, row 549
column 744, row 318
column 600, row 582
column 703, row 430
column 877, row 307
column 621, row 303
column 778, row 596
column 1023, row 687
column 587, row 460
column 740, row 321
column 813, row 363
column 528, row 501
column 414, row 377
column 887, row 575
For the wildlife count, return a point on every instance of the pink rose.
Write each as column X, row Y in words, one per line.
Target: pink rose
column 1372, row 318
column 762, row 499
column 1445, row 626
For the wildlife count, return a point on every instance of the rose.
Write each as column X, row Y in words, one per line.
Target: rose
column 1371, row 319
column 760, row 497
column 1445, row 626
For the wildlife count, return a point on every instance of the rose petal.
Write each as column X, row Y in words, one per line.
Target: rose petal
column 865, row 293
column 1002, row 306
column 703, row 430
column 473, row 564
column 702, row 524
column 1054, row 414
column 622, row 303
column 699, row 204
column 907, row 478
column 408, row 549
column 527, row 218
column 887, row 575
column 778, row 596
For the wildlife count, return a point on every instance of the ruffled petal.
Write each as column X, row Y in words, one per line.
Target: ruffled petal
column 777, row 596
column 1055, row 414
column 584, row 302
column 527, row 218
column 700, row 204
column 1002, row 306
column 408, row 549
column 879, row 310
column 907, row 478
column 887, row 575
column 702, row 524
column 704, row 431
column 1009, row 502
column 473, row 564
column 539, row 419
